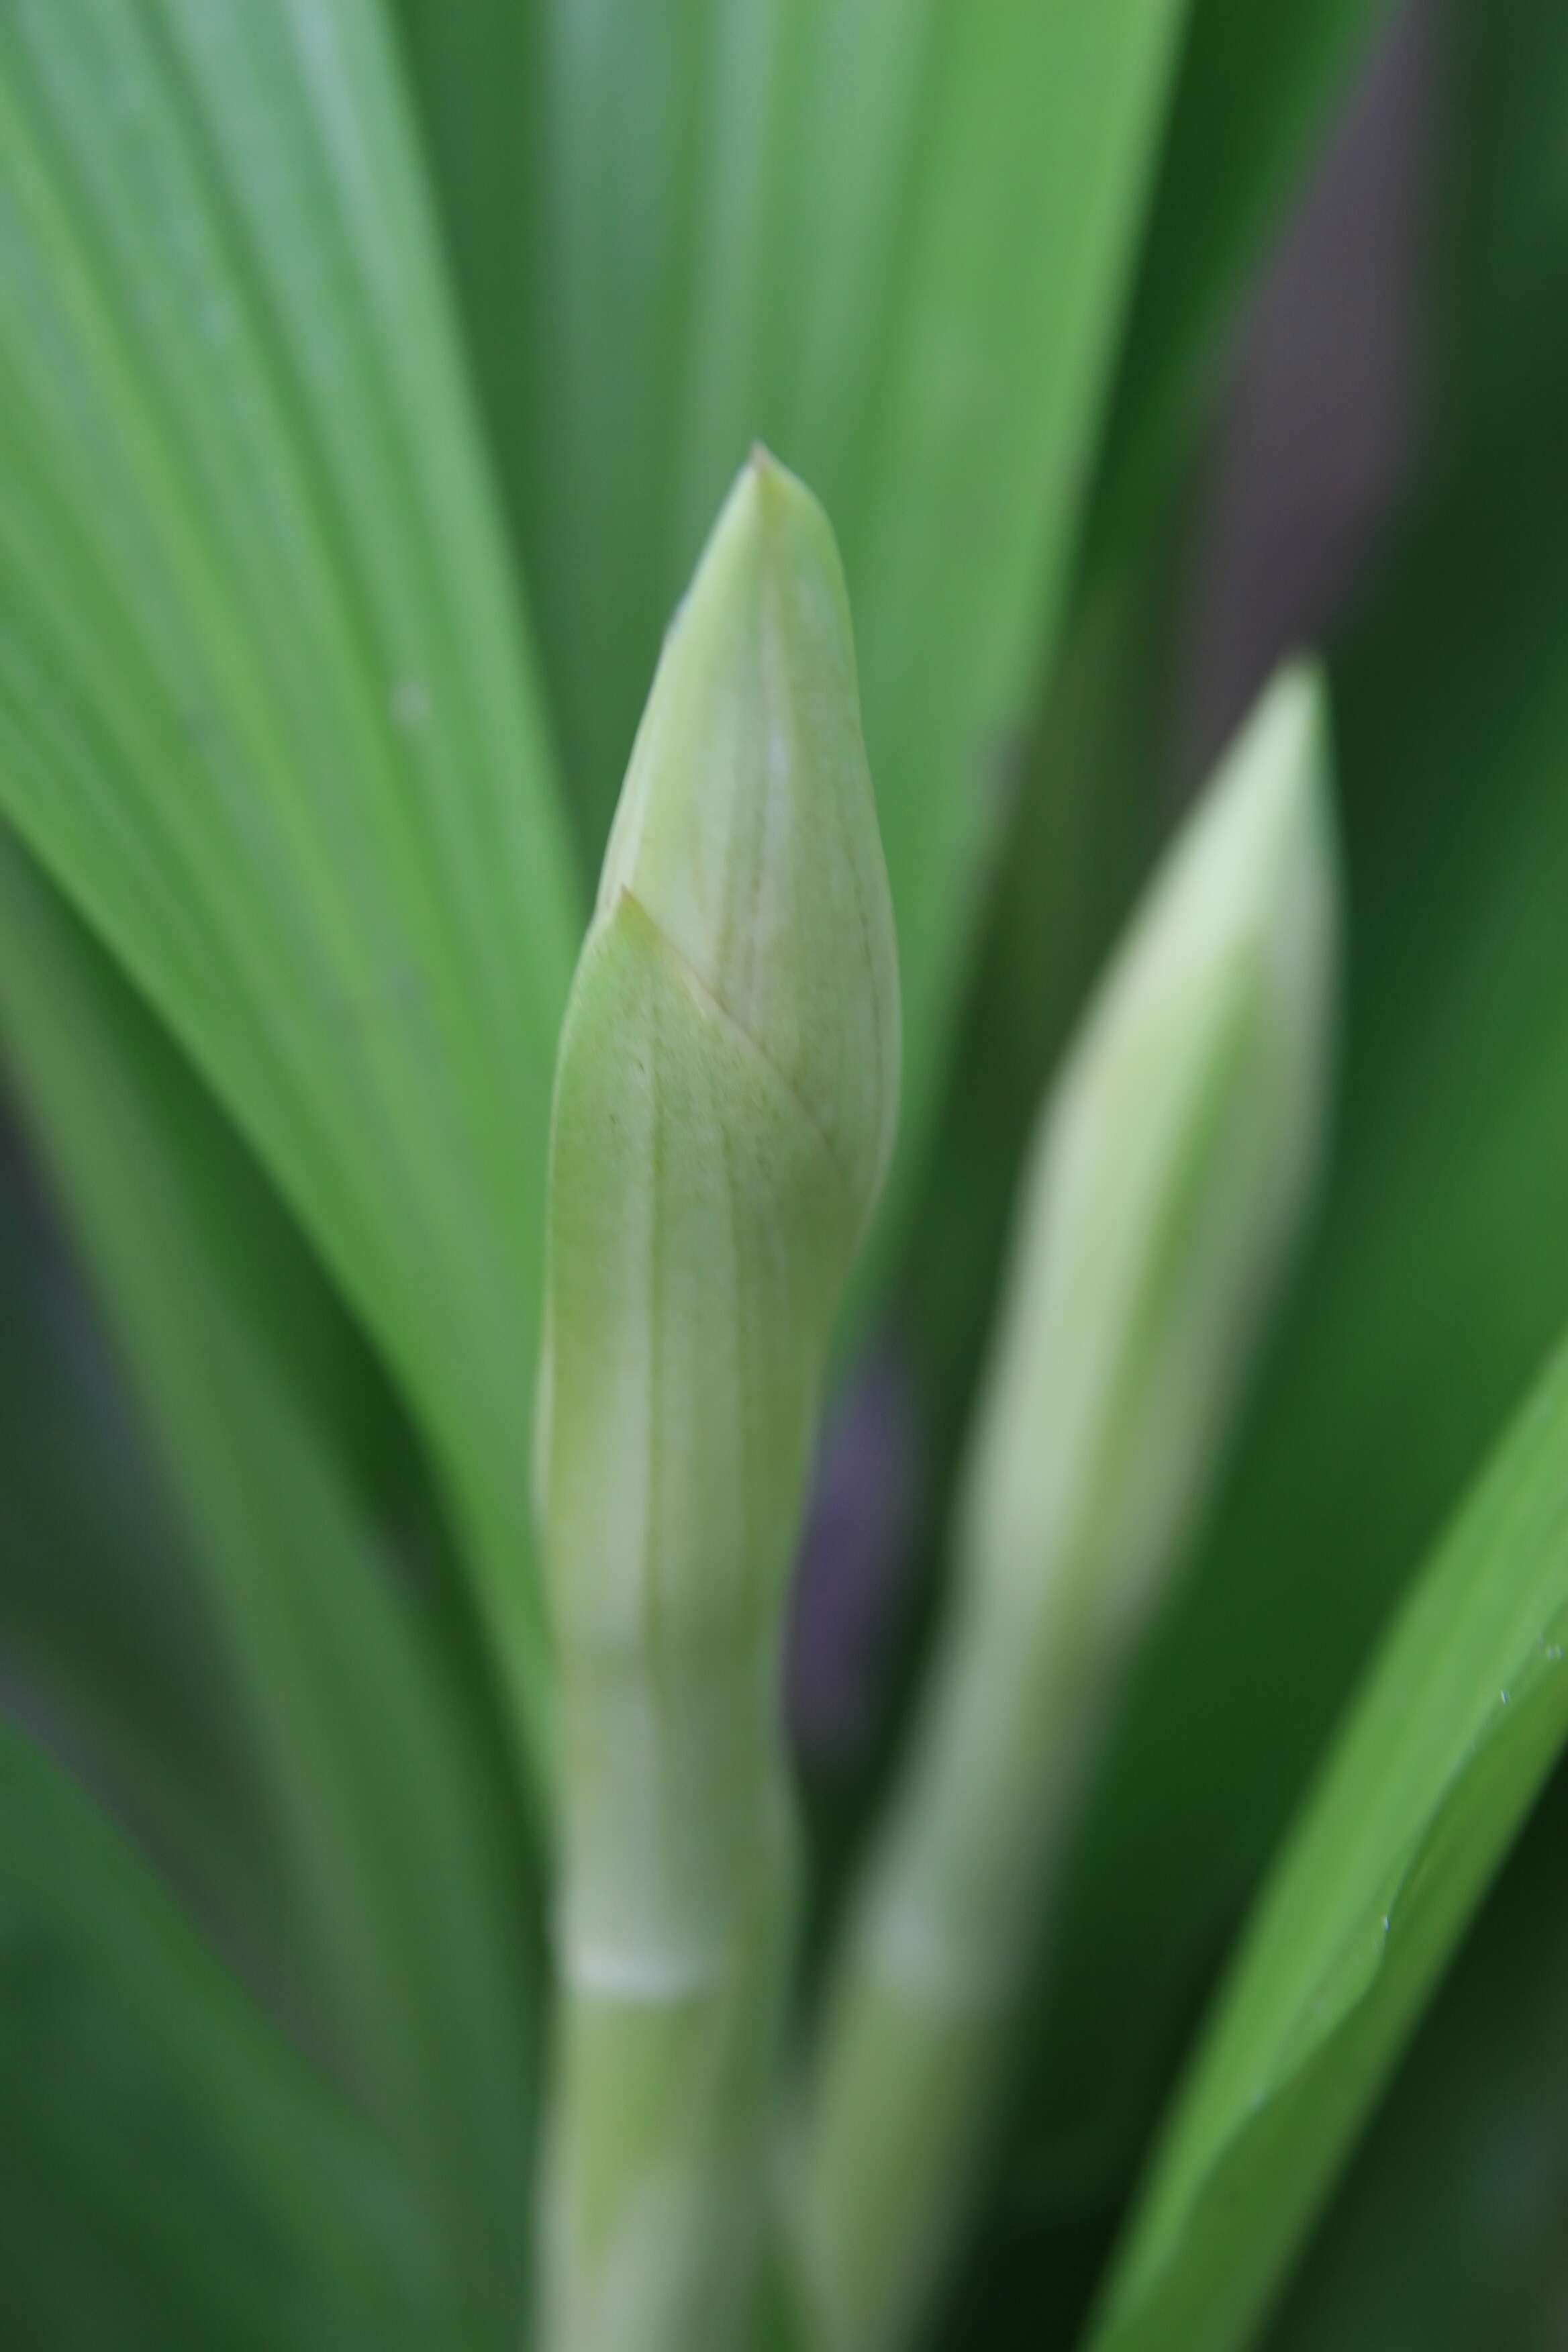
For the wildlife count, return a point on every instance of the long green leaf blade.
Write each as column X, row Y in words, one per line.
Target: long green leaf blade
column 1454, row 1732
column 1031, row 179
column 114, row 1661
column 1255, row 86
column 392, row 1843
column 171, row 2172
column 266, row 712
column 1446, row 2232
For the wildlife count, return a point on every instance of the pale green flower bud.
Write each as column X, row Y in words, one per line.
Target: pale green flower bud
column 725, row 1100
column 727, row 1082
column 1162, row 1197
column 747, row 829
column 1164, row 1189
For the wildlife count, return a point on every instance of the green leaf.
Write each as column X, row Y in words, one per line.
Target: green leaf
column 893, row 242
column 1509, row 229
column 1029, row 178
column 1447, row 2234
column 1255, row 89
column 1452, row 1735
column 398, row 1857
column 266, row 712
column 97, row 1628
column 170, row 2173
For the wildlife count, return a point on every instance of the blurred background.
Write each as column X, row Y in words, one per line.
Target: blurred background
column 1380, row 467
column 1377, row 471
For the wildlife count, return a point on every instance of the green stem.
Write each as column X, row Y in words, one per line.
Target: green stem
column 672, row 1938
column 922, row 2013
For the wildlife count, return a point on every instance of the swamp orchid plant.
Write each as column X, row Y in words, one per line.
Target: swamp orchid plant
column 417, row 1928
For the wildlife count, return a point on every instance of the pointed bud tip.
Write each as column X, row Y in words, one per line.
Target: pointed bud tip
column 747, row 827
column 1255, row 859
column 770, row 524
column 1277, row 781
column 1283, row 747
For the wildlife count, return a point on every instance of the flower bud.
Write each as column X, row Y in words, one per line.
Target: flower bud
column 1164, row 1188
column 1166, row 1183
column 747, row 828
column 726, row 1092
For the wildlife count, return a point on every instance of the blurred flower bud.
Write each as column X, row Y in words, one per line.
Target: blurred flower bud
column 726, row 1091
column 1166, row 1183
column 1159, row 1204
